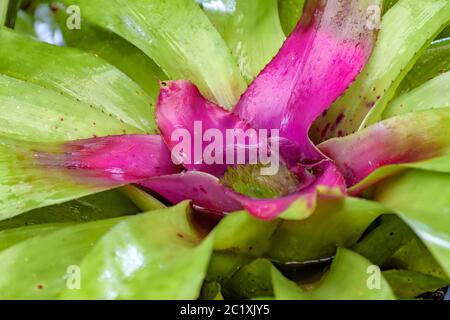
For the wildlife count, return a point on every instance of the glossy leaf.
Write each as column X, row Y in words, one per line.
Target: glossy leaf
column 116, row 50
column 157, row 255
column 79, row 76
column 178, row 37
column 422, row 198
column 406, row 31
column 338, row 283
column 35, row 273
column 251, row 29
column 417, row 139
column 315, row 65
column 38, row 175
column 105, row 205
column 44, row 115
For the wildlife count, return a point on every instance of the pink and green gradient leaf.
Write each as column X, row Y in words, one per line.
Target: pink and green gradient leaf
column 316, row 64
column 34, row 175
column 419, row 139
column 407, row 29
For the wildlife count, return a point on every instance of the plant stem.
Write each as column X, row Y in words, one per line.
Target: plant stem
column 4, row 4
column 8, row 12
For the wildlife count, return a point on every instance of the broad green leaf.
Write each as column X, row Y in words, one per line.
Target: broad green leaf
column 44, row 115
column 10, row 237
column 3, row 11
column 116, row 50
column 407, row 29
column 105, row 205
column 350, row 278
column 251, row 29
column 178, row 37
column 434, row 61
column 422, row 199
column 156, row 255
column 385, row 240
column 334, row 223
column 414, row 256
column 244, row 234
column 85, row 79
column 38, row 268
column 433, row 94
column 290, row 13
column 409, row 284
column 224, row 265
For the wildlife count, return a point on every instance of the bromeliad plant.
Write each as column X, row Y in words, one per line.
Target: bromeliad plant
column 363, row 121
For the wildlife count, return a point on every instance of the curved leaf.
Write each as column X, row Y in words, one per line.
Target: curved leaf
column 334, row 223
column 338, row 284
column 406, row 30
column 431, row 95
column 251, row 29
column 318, row 61
column 420, row 139
column 422, row 199
column 34, row 273
column 116, row 50
column 409, row 284
column 33, row 113
column 290, row 13
column 80, row 76
column 178, row 37
column 157, row 255
column 434, row 61
column 105, row 205
column 38, row 175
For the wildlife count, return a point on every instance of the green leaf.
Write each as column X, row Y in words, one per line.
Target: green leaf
column 383, row 242
column 409, row 284
column 44, row 115
column 115, row 50
column 422, row 199
column 334, row 223
column 83, row 78
column 290, row 13
column 178, row 37
column 434, row 61
column 339, row 283
column 251, row 29
column 242, row 233
column 105, row 205
column 38, row 268
column 414, row 256
column 252, row 281
column 11, row 237
column 157, row 255
column 433, row 94
column 142, row 199
column 406, row 30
